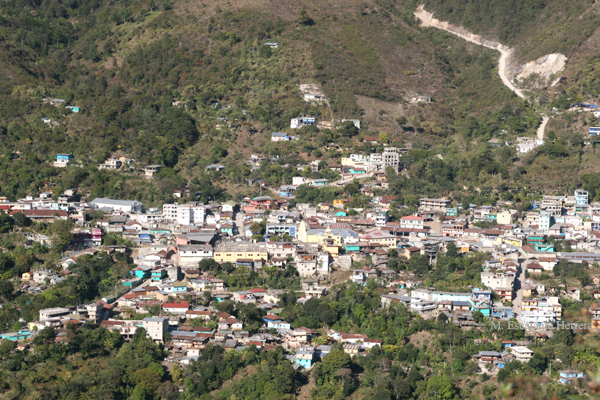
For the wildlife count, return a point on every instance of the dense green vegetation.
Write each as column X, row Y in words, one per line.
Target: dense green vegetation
column 95, row 363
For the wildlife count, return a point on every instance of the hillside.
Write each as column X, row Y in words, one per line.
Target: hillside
column 188, row 83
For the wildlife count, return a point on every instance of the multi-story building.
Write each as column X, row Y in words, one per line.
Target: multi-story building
column 521, row 353
column 111, row 163
column 94, row 312
column 553, row 205
column 545, row 221
column 185, row 214
column 232, row 251
column 390, row 158
column 281, row 229
column 192, row 254
column 412, row 222
column 156, row 327
column 581, row 197
column 434, row 204
column 151, row 170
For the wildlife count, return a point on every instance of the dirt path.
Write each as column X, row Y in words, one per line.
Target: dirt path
column 505, row 51
column 542, row 127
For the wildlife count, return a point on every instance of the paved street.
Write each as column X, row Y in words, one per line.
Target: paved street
column 519, row 297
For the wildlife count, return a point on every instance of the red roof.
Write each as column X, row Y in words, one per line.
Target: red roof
column 42, row 213
column 412, row 217
column 177, row 304
column 257, row 290
column 272, row 317
column 130, row 296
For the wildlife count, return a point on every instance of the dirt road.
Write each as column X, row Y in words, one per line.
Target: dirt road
column 542, row 127
column 505, row 51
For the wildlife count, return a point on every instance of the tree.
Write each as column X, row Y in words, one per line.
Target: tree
column 348, row 129
column 61, row 233
column 6, row 223
column 16, row 326
column 451, row 250
column 383, row 138
column 478, row 316
column 148, row 379
column 256, row 228
column 6, row 289
column 352, row 188
column 538, row 363
column 304, row 19
column 21, row 219
column 440, row 387
column 334, row 361
column 265, row 51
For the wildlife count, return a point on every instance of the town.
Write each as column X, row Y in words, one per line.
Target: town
column 177, row 249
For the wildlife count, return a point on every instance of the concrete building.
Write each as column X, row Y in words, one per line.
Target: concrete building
column 126, row 206
column 48, row 313
column 151, row 170
column 111, row 163
column 192, row 254
column 434, row 204
column 185, row 214
column 521, row 353
column 390, row 158
column 412, row 222
column 156, row 327
column 94, row 312
column 582, row 197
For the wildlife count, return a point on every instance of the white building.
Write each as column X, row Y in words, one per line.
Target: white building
column 526, row 144
column 412, row 222
column 521, row 353
column 279, row 137
column 48, row 313
column 300, row 180
column 127, row 206
column 192, row 254
column 300, row 122
column 111, row 163
column 538, row 318
column 185, row 214
column 156, row 327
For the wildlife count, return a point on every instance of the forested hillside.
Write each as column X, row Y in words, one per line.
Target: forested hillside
column 186, row 84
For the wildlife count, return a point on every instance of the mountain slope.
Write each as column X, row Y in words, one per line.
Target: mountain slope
column 190, row 83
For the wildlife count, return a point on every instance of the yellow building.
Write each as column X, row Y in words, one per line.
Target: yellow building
column 340, row 203
column 233, row 251
column 529, row 304
column 331, row 239
column 379, row 236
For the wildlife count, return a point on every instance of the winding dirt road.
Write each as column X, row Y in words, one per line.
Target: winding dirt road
column 505, row 51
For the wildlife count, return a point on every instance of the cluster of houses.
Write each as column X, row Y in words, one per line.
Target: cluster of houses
column 186, row 329
column 512, row 350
